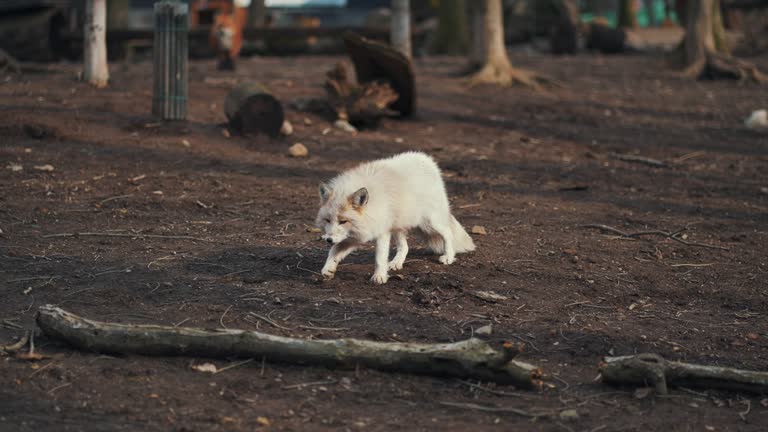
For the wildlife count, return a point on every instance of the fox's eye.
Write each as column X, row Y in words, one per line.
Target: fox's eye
column 342, row 222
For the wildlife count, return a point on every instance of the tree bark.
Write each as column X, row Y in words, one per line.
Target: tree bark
column 497, row 68
column 627, row 14
column 95, row 69
column 400, row 26
column 704, row 51
column 651, row 369
column 477, row 32
column 472, row 358
column 257, row 13
column 451, row 37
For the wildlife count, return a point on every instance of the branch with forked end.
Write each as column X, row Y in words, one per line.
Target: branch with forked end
column 472, row 358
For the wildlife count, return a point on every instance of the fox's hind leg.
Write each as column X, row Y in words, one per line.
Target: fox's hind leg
column 401, row 242
column 444, row 230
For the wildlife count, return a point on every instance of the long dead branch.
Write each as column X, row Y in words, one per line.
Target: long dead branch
column 652, row 369
column 670, row 235
column 472, row 358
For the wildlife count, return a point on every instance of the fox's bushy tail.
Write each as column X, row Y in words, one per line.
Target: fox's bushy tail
column 462, row 242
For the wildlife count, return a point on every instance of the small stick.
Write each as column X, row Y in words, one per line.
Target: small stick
column 494, row 392
column 743, row 414
column 232, row 366
column 221, row 320
column 307, row 384
column 269, row 321
column 477, row 407
column 59, row 387
column 97, row 234
column 18, row 345
column 40, row 369
column 33, row 278
column 671, row 236
column 692, row 265
column 102, row 202
column 181, row 322
column 309, row 327
column 640, row 159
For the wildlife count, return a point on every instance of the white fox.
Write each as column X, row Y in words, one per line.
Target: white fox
column 385, row 198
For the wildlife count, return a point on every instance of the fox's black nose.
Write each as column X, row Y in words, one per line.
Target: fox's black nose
column 329, row 240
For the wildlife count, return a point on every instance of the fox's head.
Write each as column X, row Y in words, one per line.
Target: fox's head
column 340, row 216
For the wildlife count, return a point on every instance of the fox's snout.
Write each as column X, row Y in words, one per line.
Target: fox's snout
column 328, row 239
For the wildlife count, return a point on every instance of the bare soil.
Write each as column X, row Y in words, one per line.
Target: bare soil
column 532, row 168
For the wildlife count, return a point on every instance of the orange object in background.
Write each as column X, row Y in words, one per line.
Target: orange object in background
column 227, row 22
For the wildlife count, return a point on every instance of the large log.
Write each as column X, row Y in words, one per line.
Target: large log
column 654, row 370
column 378, row 62
column 361, row 105
column 250, row 109
column 472, row 358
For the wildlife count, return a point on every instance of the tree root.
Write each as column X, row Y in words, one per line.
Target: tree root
column 652, row 369
column 717, row 66
column 473, row 358
column 508, row 76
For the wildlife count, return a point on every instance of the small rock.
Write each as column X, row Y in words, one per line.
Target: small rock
column 477, row 229
column 489, row 296
column 298, row 150
column 307, row 121
column 186, row 143
column 758, row 120
column 15, row 167
column 287, row 128
column 569, row 415
column 345, row 126
column 399, row 140
column 226, row 133
column 263, row 421
column 45, row 168
column 485, row 330
column 157, row 192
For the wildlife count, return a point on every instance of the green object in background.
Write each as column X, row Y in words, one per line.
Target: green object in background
column 643, row 19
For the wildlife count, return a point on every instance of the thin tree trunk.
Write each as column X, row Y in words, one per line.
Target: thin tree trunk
column 257, row 13
column 497, row 68
column 451, row 37
column 400, row 26
column 477, row 32
column 704, row 50
column 95, row 68
column 627, row 15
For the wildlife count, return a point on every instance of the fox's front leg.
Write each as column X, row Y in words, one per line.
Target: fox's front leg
column 338, row 252
column 382, row 255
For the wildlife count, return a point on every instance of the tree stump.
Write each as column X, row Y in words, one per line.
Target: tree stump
column 378, row 62
column 251, row 109
column 360, row 105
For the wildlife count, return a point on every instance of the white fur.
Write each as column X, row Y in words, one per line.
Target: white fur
column 758, row 120
column 401, row 194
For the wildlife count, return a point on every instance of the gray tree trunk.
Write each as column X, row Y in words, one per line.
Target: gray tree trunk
column 95, row 69
column 400, row 26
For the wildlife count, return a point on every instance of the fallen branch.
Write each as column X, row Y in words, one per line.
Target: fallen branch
column 96, row 234
column 655, row 370
column 472, row 358
column 667, row 234
column 484, row 408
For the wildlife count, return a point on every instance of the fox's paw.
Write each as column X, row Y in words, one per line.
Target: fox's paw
column 445, row 259
column 379, row 278
column 328, row 273
column 395, row 265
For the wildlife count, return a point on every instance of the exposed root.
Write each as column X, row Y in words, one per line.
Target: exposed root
column 507, row 76
column 717, row 66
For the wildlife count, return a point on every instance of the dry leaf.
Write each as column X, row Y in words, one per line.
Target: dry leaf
column 14, row 167
column 46, row 167
column 477, row 229
column 263, row 421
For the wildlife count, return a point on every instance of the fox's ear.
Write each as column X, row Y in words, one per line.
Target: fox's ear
column 359, row 198
column 325, row 192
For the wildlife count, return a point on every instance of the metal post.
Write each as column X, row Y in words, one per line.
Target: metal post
column 169, row 100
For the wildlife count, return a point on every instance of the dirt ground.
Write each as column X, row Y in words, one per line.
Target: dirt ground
column 531, row 168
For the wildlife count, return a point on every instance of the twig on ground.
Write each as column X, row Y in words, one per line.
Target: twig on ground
column 640, row 159
column 745, row 413
column 221, row 319
column 132, row 235
column 492, row 391
column 268, row 321
column 511, row 410
column 311, row 327
column 59, row 387
column 104, row 201
column 232, row 366
column 308, row 384
column 23, row 340
column 667, row 234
